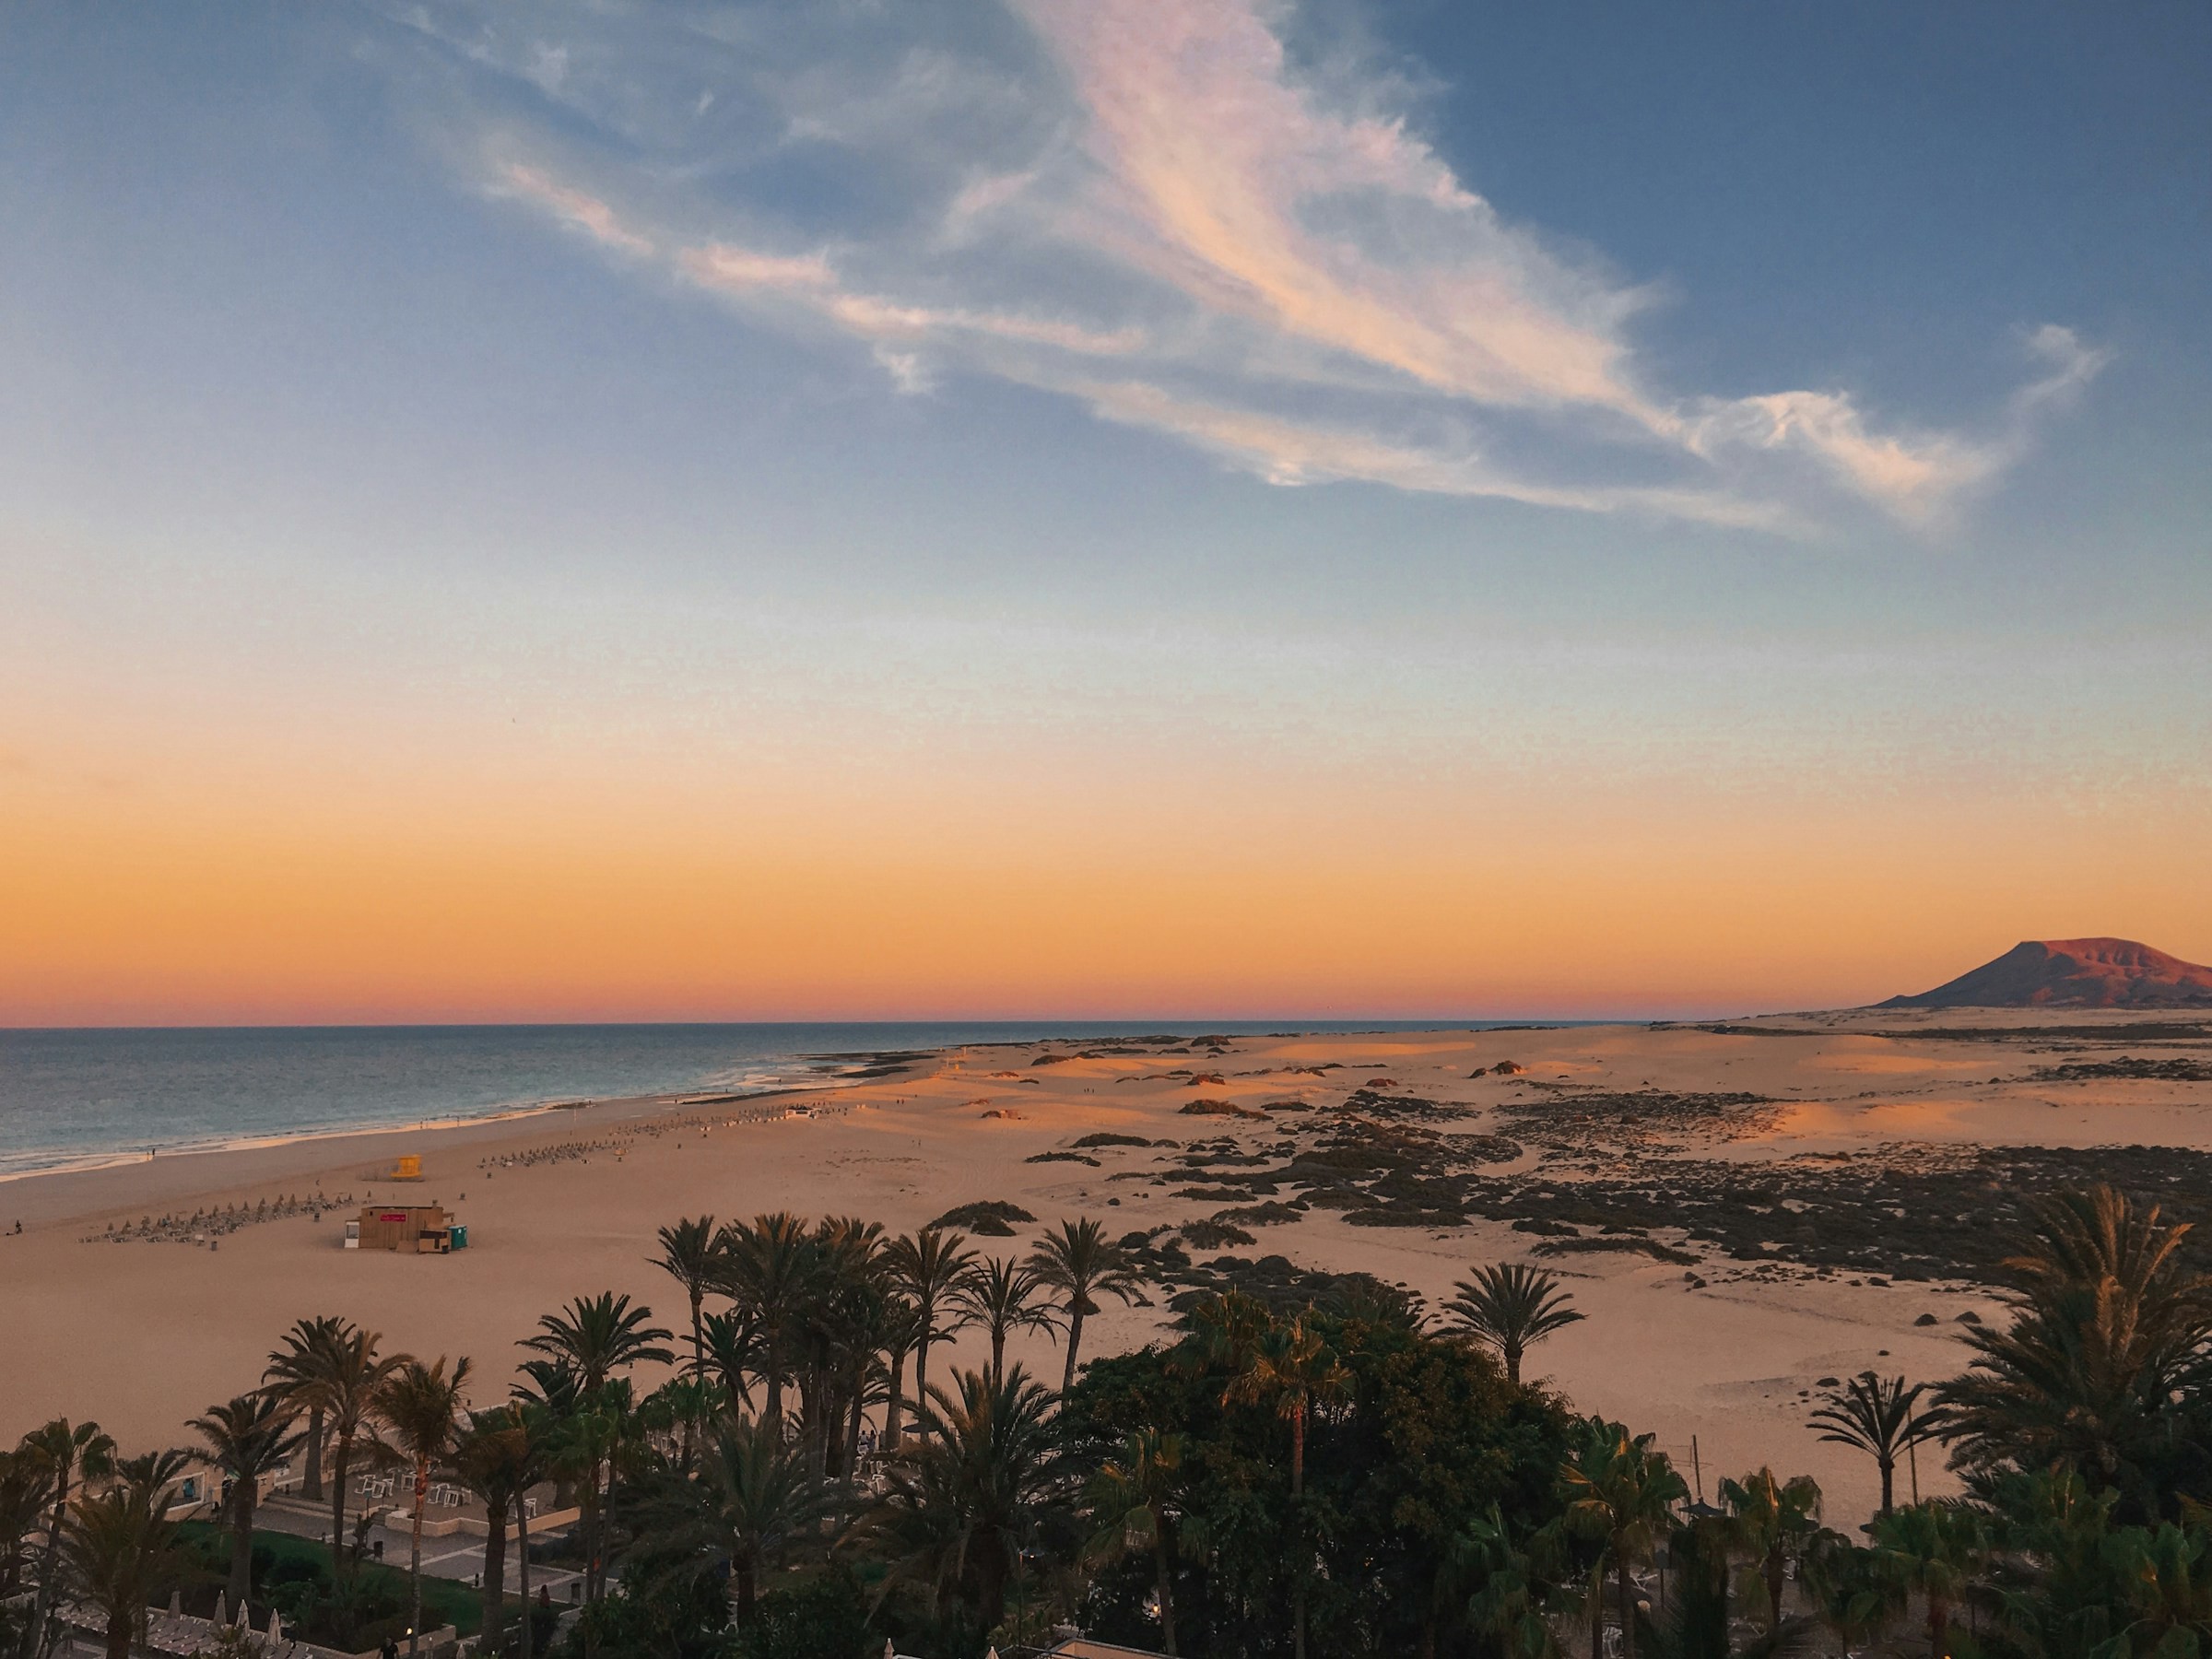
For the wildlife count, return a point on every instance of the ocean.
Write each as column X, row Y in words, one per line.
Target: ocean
column 81, row 1098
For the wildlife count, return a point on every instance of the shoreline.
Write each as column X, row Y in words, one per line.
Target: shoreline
column 863, row 1065
column 93, row 1163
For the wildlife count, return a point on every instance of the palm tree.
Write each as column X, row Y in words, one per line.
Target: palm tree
column 1620, row 1490
column 534, row 1462
column 1508, row 1608
column 1511, row 1307
column 772, row 1268
column 24, row 1484
column 65, row 1453
column 732, row 1354
column 902, row 1328
column 1130, row 1499
column 926, row 1266
column 340, row 1375
column 1876, row 1413
column 292, row 1367
column 422, row 1407
column 1933, row 1548
column 1081, row 1265
column 966, row 1497
column 600, row 1336
column 2107, row 1327
column 247, row 1438
column 848, row 1330
column 1293, row 1369
column 119, row 1554
column 755, row 1499
column 2169, row 1589
column 583, row 1445
column 1000, row 1294
column 1775, row 1523
column 495, row 1459
column 691, row 1254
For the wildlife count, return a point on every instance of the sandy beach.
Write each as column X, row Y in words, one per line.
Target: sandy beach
column 1684, row 1336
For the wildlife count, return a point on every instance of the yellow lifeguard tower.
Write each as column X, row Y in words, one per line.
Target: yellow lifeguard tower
column 410, row 1168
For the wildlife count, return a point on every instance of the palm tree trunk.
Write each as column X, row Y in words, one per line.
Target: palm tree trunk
column 422, row 1495
column 698, row 1372
column 748, row 1581
column 1513, row 1364
column 311, row 1488
column 1628, row 1610
column 495, row 1579
column 119, row 1635
column 1167, row 1577
column 1075, row 1341
column 998, row 1355
column 241, row 1541
column 341, row 1455
column 1298, row 1488
column 896, row 1407
column 922, row 1382
column 1889, row 1468
column 49, row 1570
column 591, row 1531
column 860, row 1393
column 522, row 1563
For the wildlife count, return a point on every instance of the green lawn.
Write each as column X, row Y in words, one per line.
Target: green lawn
column 444, row 1601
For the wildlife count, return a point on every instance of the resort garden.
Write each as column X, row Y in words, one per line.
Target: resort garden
column 1296, row 1469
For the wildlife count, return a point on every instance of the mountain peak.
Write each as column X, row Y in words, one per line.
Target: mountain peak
column 2073, row 974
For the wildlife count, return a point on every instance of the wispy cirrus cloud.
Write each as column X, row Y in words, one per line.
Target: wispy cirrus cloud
column 1283, row 275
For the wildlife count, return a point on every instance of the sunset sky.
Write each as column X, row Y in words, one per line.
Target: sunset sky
column 1094, row 507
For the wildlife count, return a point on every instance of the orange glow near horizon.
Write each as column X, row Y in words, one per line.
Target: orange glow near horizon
column 255, row 899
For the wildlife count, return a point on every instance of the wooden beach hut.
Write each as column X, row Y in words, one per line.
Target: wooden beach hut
column 408, row 1229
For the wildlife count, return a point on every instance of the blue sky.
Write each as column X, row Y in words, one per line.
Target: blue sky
column 1782, row 405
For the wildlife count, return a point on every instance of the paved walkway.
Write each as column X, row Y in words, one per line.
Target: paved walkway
column 460, row 1557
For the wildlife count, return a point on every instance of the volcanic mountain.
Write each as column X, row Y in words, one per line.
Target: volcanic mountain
column 2073, row 974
